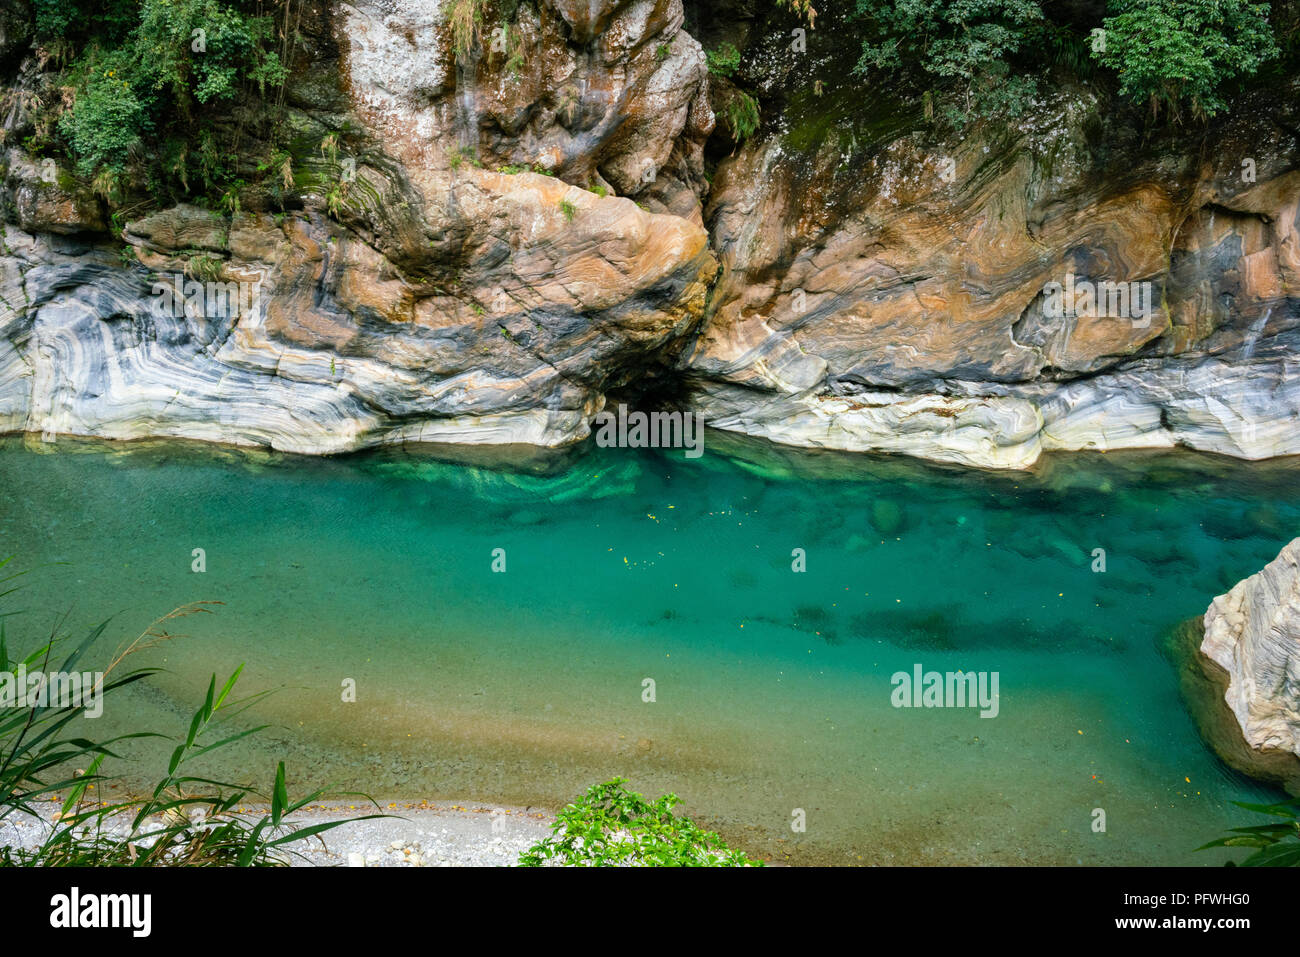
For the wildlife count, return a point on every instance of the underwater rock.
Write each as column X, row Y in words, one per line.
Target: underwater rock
column 1226, row 526
column 1264, row 519
column 887, row 517
column 858, row 543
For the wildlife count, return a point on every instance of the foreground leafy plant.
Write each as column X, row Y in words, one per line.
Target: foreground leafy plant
column 34, row 756
column 612, row 826
column 185, row 821
column 1277, row 844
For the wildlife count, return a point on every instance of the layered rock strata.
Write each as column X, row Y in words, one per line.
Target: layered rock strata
column 483, row 238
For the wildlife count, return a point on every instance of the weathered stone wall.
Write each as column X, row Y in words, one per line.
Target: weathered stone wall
column 849, row 278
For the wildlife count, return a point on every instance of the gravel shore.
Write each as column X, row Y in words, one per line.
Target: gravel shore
column 420, row 834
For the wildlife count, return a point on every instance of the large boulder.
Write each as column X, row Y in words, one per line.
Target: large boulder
column 1252, row 635
column 48, row 199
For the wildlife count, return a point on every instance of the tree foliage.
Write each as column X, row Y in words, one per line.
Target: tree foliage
column 154, row 86
column 1181, row 53
column 984, row 58
column 963, row 44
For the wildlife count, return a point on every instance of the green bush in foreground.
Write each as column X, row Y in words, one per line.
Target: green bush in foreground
column 610, row 826
column 1277, row 844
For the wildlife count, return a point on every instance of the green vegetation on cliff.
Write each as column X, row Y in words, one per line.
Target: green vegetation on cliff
column 1184, row 53
column 153, row 102
column 990, row 58
column 164, row 93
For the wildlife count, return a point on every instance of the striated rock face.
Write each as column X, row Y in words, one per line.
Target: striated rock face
column 1253, row 634
column 883, row 286
column 481, row 235
column 599, row 92
column 336, row 350
column 418, row 297
column 893, row 298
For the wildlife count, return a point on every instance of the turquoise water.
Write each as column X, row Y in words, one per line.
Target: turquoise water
column 772, row 687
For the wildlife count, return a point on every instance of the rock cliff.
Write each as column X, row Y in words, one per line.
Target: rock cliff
column 416, row 293
column 883, row 288
column 484, row 234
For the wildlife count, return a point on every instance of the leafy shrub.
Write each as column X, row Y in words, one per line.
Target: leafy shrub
column 146, row 74
column 233, row 44
column 983, row 56
column 1172, row 53
column 61, row 20
column 1277, row 844
column 724, row 61
column 966, row 45
column 464, row 154
column 204, row 268
column 511, row 47
column 742, row 115
column 611, row 826
column 106, row 123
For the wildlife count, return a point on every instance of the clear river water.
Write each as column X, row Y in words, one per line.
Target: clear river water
column 772, row 687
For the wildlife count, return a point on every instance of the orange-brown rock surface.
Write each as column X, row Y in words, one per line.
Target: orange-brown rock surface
column 487, row 235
